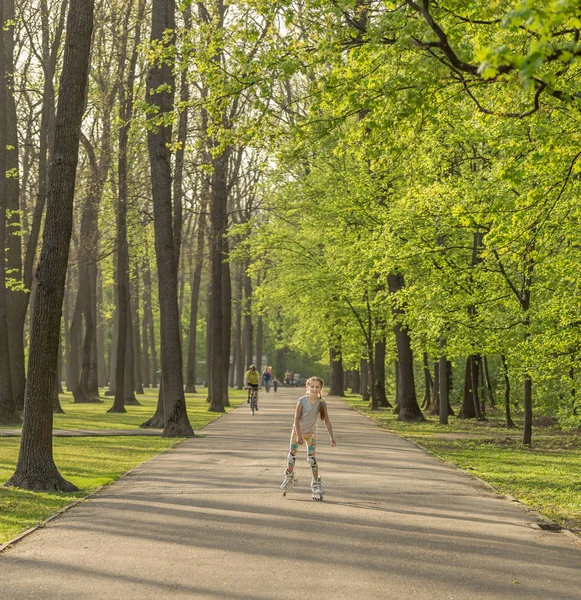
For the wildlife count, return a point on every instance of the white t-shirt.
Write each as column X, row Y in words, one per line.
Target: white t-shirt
column 310, row 414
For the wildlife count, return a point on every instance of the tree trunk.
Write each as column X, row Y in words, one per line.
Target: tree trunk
column 137, row 370
column 364, row 370
column 195, row 288
column 227, row 312
column 471, row 403
column 237, row 346
column 427, row 404
column 410, row 410
column 356, row 382
column 16, row 300
column 436, row 395
column 8, row 409
column 397, row 387
column 121, row 274
column 130, row 399
column 146, row 371
column 103, row 378
column 336, row 364
column 259, row 343
column 248, row 330
column 380, row 374
column 443, row 405
column 36, row 469
column 113, row 349
column 160, row 87
column 486, row 376
column 218, row 363
column 148, row 315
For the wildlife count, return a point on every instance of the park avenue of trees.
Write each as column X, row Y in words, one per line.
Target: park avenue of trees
column 388, row 188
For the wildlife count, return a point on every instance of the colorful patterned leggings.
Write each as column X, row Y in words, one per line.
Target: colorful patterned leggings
column 311, row 442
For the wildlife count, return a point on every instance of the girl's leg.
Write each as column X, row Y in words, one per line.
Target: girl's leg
column 294, row 446
column 311, row 441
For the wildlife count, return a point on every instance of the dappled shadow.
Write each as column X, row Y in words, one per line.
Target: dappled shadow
column 207, row 520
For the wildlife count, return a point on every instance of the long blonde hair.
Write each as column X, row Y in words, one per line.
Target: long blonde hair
column 321, row 404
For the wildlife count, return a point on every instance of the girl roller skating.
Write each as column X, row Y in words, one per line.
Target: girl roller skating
column 309, row 408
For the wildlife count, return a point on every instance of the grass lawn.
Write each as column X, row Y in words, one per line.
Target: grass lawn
column 546, row 477
column 89, row 462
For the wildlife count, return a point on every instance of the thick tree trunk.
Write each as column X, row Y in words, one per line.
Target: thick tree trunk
column 176, row 422
column 36, row 469
column 8, row 410
column 218, row 363
column 410, row 410
column 16, row 299
column 336, row 368
column 9, row 414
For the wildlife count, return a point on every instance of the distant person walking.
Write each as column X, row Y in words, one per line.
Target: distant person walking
column 287, row 378
column 266, row 379
column 309, row 409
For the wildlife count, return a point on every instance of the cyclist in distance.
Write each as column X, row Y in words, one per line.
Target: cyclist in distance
column 251, row 382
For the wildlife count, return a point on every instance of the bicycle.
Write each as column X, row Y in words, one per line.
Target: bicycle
column 253, row 400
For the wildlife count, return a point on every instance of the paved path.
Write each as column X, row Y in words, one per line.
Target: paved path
column 207, row 521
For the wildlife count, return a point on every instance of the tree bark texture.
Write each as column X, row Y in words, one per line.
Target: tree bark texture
column 36, row 469
column 160, row 77
column 218, row 363
column 9, row 414
column 16, row 299
column 336, row 368
column 379, row 370
column 409, row 408
column 247, row 335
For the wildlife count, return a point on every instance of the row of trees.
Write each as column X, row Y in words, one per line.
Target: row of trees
column 424, row 197
column 374, row 182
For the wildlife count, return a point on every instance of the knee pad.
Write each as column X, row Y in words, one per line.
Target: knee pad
column 290, row 459
column 312, row 461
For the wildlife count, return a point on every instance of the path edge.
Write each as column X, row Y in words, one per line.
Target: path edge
column 540, row 517
column 6, row 545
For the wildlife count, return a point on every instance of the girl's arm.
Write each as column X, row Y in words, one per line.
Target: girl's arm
column 298, row 413
column 329, row 428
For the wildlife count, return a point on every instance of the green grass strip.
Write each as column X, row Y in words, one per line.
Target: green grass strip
column 90, row 462
column 546, row 477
